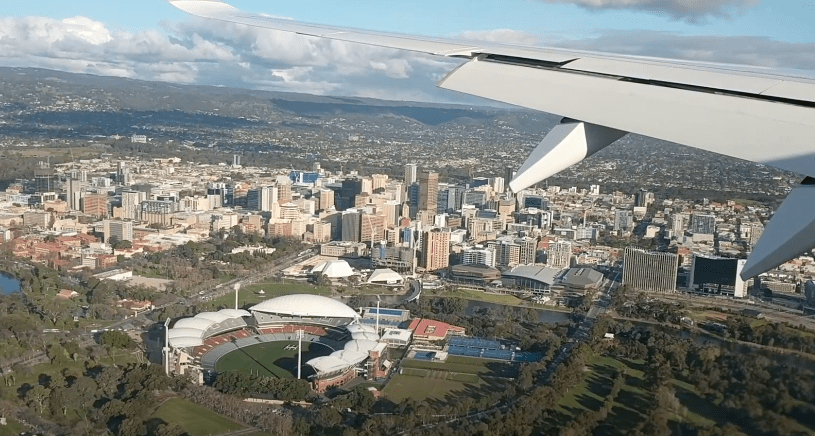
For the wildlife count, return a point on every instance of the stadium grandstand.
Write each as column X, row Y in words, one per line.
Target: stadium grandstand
column 197, row 344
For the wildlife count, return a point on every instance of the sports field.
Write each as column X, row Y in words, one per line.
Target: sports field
column 196, row 420
column 272, row 359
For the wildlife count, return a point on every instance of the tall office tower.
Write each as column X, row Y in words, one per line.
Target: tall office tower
column 643, row 198
column 413, row 200
column 392, row 210
column 253, row 198
column 366, row 186
column 44, row 177
column 703, row 223
column 348, row 193
column 509, row 173
column 623, row 220
column 268, row 197
column 351, row 225
column 284, row 194
column 410, row 174
column 73, row 193
column 326, row 199
column 156, row 212
column 678, row 224
column 122, row 230
column 528, row 250
column 497, row 184
column 559, row 254
column 476, row 198
column 428, row 190
column 650, row 270
column 95, row 205
column 379, row 181
column 426, row 217
column 435, row 250
column 372, row 228
column 130, row 203
column 717, row 276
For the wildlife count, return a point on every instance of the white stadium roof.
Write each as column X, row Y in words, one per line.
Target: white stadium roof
column 328, row 364
column 179, row 332
column 385, row 275
column 361, row 345
column 306, row 305
column 365, row 336
column 350, row 356
column 360, row 328
column 334, row 269
column 185, row 342
column 189, row 332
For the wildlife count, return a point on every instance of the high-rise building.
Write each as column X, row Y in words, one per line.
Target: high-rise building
column 703, row 223
column 528, row 250
column 262, row 199
column 476, row 198
column 509, row 173
column 507, row 252
column 121, row 230
column 372, row 228
column 435, row 250
column 650, row 270
column 95, row 205
column 156, row 212
column 678, row 224
column 411, row 174
column 428, row 190
column 73, row 193
column 623, row 220
column 536, row 201
column 559, row 254
column 643, row 198
column 717, row 276
column 351, row 225
column 130, row 203
column 379, row 182
column 284, row 193
column 326, row 199
column 44, row 177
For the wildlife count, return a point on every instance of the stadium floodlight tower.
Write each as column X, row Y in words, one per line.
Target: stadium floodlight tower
column 166, row 348
column 237, row 288
column 299, row 353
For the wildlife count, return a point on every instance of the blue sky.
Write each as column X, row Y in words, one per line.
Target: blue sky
column 151, row 40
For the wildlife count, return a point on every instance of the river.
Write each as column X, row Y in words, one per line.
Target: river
column 8, row 284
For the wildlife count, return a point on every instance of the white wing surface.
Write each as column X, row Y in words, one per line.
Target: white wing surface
column 762, row 115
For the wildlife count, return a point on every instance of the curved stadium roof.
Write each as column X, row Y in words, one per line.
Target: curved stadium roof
column 306, row 305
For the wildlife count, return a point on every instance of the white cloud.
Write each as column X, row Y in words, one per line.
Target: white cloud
column 222, row 54
column 686, row 10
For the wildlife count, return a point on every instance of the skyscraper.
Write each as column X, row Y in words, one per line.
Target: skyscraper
column 428, row 190
column 410, row 174
column 95, row 205
column 351, row 225
column 326, row 199
column 435, row 250
column 650, row 270
column 121, row 230
column 130, row 203
column 623, row 219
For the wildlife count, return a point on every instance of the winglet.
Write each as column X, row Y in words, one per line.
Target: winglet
column 789, row 234
column 567, row 144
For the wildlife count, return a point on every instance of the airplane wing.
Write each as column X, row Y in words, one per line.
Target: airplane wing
column 756, row 114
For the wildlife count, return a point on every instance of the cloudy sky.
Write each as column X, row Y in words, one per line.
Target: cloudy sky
column 151, row 40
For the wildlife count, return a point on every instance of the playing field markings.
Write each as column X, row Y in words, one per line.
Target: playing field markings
column 258, row 362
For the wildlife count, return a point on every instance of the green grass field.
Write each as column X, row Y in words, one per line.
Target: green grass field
column 12, row 428
column 270, row 359
column 196, row 420
column 420, row 388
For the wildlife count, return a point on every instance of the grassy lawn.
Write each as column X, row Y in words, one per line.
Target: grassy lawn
column 196, row 420
column 402, row 387
column 483, row 296
column 446, row 366
column 270, row 359
column 632, row 400
column 12, row 428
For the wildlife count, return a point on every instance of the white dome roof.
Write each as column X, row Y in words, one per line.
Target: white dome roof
column 334, row 269
column 213, row 316
column 361, row 345
column 350, row 356
column 385, row 275
column 177, row 333
column 192, row 323
column 327, row 364
column 305, row 305
column 234, row 313
column 371, row 336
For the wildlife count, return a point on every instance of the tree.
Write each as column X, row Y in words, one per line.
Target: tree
column 38, row 395
column 116, row 339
